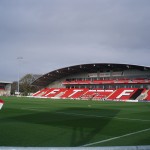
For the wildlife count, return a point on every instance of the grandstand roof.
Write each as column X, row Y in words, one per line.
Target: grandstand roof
column 5, row 82
column 52, row 76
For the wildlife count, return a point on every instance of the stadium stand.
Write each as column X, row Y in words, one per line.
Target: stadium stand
column 74, row 93
column 100, row 81
column 96, row 94
column 41, row 92
column 124, row 94
column 55, row 92
column 5, row 88
column 148, row 95
column 122, row 81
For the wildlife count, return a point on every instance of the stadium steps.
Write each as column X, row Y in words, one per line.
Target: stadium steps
column 111, row 94
column 47, row 92
column 123, row 94
column 60, row 94
column 74, row 93
column 143, row 95
column 136, row 93
column 147, row 95
column 41, row 92
column 89, row 94
column 103, row 94
column 54, row 92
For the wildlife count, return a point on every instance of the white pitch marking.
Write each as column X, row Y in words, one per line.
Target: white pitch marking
column 34, row 109
column 117, row 137
column 76, row 114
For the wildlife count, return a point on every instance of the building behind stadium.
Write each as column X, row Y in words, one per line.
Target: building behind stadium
column 5, row 88
column 96, row 81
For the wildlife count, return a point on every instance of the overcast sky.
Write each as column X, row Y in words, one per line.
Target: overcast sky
column 51, row 34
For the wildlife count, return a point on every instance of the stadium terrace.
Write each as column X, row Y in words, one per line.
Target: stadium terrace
column 99, row 81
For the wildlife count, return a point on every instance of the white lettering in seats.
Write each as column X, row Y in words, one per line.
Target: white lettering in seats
column 125, row 93
column 74, row 92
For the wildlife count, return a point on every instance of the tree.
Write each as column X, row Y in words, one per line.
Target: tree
column 14, row 87
column 25, row 85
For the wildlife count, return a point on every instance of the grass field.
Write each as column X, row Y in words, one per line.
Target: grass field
column 69, row 123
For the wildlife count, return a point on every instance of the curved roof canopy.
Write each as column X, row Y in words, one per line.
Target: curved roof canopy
column 52, row 76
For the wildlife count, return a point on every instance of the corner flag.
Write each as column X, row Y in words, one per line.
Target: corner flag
column 1, row 103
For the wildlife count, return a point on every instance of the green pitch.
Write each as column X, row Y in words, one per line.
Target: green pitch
column 69, row 123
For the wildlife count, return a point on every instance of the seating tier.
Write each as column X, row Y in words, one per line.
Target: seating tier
column 85, row 93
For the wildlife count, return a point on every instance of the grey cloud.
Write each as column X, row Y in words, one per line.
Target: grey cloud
column 59, row 33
